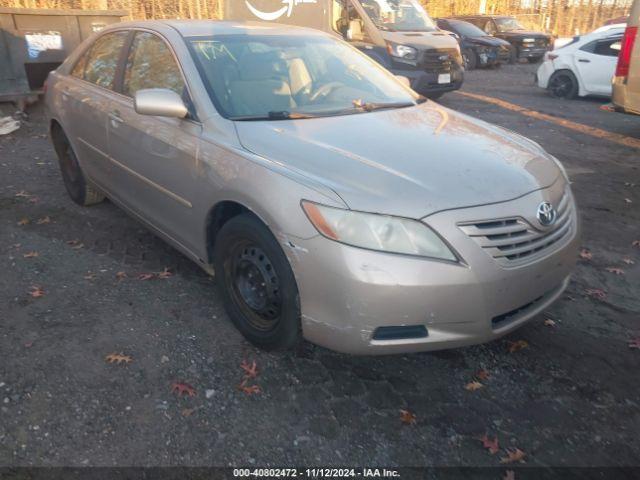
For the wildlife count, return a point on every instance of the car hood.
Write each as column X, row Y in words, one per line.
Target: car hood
column 409, row 162
column 488, row 41
column 422, row 40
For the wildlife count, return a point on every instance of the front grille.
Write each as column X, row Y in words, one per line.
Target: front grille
column 437, row 61
column 515, row 240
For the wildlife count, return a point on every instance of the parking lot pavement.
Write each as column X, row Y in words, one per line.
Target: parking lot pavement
column 73, row 289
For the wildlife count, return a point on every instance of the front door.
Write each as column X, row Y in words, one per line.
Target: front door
column 154, row 158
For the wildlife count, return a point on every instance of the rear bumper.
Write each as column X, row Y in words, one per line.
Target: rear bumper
column 347, row 294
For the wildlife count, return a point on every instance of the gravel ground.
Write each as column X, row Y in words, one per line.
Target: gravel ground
column 568, row 399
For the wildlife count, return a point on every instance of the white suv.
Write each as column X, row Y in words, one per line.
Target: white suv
column 584, row 66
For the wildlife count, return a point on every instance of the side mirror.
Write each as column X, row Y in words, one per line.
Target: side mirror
column 159, row 101
column 404, row 80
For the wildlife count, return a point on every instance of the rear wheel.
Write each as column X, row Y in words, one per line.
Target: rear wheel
column 257, row 284
column 563, row 84
column 81, row 190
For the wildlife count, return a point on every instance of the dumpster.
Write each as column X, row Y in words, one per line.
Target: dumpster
column 35, row 41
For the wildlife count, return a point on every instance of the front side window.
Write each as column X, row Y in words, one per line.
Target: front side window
column 269, row 77
column 102, row 61
column 398, row 15
column 348, row 22
column 466, row 29
column 151, row 64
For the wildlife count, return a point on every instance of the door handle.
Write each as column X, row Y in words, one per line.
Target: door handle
column 115, row 118
column 584, row 60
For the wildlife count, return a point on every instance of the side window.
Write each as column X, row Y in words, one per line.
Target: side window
column 150, row 64
column 348, row 22
column 103, row 59
column 490, row 28
column 78, row 69
column 609, row 47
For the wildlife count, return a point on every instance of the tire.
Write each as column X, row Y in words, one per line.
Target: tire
column 470, row 59
column 563, row 84
column 257, row 285
column 434, row 96
column 513, row 56
column 81, row 190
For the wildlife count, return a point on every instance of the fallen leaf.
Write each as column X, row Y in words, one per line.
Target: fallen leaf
column 596, row 293
column 31, row 255
column 164, row 274
column 34, row 200
column 182, row 389
column 121, row 275
column 491, row 445
column 635, row 243
column 513, row 455
column 634, row 343
column 36, row 292
column 28, row 345
column 517, row 346
column 146, row 276
column 187, row 412
column 482, row 374
column 43, row 220
column 118, row 358
column 24, row 221
column 615, row 270
column 550, row 323
column 250, row 370
column 586, row 254
column 91, row 276
column 407, row 417
column 473, row 386
column 75, row 244
column 23, row 194
column 509, row 475
column 249, row 389
column 628, row 261
column 628, row 201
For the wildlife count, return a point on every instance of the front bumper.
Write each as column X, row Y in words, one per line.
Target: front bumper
column 426, row 83
column 531, row 52
column 347, row 293
column 545, row 70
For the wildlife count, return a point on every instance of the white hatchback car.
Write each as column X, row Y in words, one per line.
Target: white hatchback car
column 584, row 66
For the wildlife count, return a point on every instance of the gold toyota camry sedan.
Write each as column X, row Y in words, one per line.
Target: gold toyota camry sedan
column 332, row 202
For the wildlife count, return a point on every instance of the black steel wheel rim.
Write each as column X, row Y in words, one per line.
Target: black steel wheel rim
column 254, row 285
column 561, row 85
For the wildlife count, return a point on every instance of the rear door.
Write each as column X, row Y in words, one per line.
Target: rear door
column 155, row 158
column 87, row 95
column 596, row 64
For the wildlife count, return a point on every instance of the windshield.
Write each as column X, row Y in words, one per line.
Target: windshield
column 252, row 77
column 467, row 29
column 398, row 15
column 508, row 24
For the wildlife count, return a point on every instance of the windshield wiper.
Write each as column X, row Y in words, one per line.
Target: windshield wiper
column 275, row 115
column 370, row 107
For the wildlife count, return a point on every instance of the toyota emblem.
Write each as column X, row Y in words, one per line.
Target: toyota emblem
column 546, row 214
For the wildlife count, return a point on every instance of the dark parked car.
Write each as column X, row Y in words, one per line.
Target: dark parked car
column 478, row 48
column 526, row 43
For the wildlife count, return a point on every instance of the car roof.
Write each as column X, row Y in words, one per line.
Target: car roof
column 200, row 28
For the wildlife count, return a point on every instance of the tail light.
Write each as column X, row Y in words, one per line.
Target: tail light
column 624, row 60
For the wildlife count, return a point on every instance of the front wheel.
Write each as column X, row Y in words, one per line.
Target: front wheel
column 563, row 84
column 470, row 59
column 257, row 284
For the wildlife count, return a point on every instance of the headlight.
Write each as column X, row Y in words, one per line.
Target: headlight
column 402, row 51
column 377, row 232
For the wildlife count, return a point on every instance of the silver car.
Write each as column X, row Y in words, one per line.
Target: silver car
column 332, row 202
